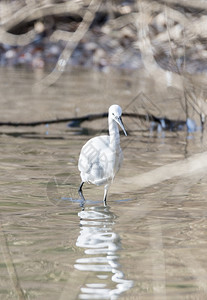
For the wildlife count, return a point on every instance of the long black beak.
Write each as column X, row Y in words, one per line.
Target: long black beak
column 119, row 121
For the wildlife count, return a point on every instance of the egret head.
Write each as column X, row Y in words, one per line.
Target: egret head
column 115, row 113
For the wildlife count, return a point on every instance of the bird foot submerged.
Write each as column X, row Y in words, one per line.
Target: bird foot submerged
column 101, row 157
column 80, row 192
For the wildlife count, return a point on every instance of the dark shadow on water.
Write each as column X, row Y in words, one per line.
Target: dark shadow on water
column 100, row 260
column 125, row 200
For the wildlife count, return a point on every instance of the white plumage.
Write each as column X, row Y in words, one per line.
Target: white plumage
column 101, row 157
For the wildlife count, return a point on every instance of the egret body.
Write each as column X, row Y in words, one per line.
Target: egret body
column 101, row 157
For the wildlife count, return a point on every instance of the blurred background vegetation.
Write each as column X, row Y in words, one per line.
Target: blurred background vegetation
column 122, row 34
column 165, row 37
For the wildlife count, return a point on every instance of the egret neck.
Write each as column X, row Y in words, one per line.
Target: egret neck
column 114, row 135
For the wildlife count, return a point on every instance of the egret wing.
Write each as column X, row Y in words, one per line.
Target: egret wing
column 92, row 154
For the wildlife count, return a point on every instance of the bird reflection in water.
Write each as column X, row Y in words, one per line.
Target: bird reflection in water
column 106, row 280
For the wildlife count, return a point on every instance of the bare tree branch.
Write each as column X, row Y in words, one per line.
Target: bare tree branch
column 77, row 121
column 71, row 45
column 32, row 11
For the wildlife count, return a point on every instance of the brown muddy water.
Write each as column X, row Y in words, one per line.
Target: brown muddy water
column 150, row 242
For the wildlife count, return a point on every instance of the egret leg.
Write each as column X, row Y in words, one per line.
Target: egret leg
column 106, row 187
column 81, row 193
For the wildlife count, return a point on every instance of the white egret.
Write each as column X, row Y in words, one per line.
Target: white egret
column 101, row 157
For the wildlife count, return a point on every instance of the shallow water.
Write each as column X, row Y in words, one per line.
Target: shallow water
column 148, row 243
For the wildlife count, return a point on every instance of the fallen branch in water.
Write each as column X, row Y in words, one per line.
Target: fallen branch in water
column 77, row 121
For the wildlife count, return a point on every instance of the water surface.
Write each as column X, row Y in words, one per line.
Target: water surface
column 148, row 243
